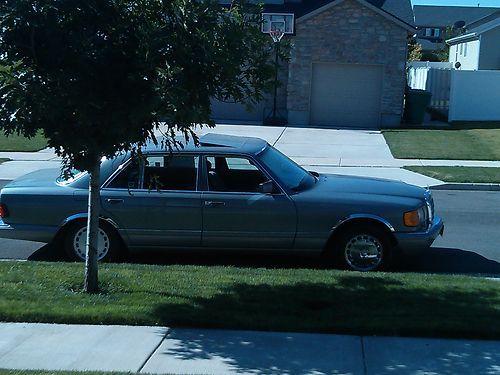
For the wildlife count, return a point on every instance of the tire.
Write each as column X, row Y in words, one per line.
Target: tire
column 364, row 248
column 75, row 240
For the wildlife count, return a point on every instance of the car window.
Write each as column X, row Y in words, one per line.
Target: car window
column 166, row 172
column 128, row 178
column 233, row 174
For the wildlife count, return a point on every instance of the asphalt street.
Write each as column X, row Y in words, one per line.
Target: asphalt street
column 470, row 245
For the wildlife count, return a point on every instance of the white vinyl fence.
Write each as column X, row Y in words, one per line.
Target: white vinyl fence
column 475, row 95
column 433, row 77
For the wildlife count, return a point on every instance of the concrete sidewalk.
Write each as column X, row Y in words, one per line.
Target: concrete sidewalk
column 351, row 152
column 160, row 350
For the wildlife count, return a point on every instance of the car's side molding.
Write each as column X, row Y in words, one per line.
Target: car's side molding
column 364, row 216
column 85, row 216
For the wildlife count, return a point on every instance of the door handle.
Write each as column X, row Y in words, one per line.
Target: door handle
column 214, row 204
column 114, row 200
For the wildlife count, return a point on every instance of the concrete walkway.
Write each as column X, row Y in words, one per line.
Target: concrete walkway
column 351, row 152
column 160, row 350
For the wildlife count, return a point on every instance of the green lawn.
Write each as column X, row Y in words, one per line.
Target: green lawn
column 18, row 143
column 466, row 143
column 258, row 299
column 42, row 372
column 460, row 174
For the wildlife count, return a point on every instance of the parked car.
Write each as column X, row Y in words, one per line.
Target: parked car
column 232, row 193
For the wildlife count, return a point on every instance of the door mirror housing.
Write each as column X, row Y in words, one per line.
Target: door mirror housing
column 266, row 187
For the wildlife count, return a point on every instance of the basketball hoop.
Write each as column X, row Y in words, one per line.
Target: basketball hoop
column 276, row 35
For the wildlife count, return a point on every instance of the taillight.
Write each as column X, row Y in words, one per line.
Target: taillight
column 3, row 210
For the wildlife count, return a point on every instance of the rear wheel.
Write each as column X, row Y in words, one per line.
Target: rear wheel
column 76, row 239
column 364, row 248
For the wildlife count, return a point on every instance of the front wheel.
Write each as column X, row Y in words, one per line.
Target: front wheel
column 364, row 249
column 76, row 240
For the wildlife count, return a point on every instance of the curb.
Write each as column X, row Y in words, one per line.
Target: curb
column 467, row 187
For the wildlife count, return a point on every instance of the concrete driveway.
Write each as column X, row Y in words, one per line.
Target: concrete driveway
column 351, row 152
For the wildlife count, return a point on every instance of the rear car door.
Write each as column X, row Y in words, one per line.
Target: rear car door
column 236, row 215
column 155, row 201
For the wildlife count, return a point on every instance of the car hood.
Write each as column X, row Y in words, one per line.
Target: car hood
column 331, row 183
column 41, row 178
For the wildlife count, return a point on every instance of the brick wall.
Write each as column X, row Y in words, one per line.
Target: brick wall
column 348, row 33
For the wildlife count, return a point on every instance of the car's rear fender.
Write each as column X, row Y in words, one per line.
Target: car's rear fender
column 83, row 217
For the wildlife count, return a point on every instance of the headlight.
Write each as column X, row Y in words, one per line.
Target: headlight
column 415, row 218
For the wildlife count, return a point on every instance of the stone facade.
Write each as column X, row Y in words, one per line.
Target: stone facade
column 348, row 33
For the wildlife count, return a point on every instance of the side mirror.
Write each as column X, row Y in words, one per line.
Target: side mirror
column 266, row 187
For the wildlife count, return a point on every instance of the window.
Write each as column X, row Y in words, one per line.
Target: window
column 465, row 50
column 233, row 174
column 166, row 172
column 461, row 49
column 128, row 178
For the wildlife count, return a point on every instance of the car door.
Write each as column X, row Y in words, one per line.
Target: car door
column 155, row 202
column 236, row 215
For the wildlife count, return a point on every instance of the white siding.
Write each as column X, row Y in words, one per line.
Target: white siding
column 467, row 54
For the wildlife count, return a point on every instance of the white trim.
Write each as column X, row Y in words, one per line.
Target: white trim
column 381, row 12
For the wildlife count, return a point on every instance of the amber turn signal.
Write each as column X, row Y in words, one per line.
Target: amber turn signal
column 411, row 218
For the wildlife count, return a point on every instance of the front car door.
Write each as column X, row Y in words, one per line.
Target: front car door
column 236, row 215
column 155, row 201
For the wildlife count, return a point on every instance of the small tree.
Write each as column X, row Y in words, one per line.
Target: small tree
column 98, row 77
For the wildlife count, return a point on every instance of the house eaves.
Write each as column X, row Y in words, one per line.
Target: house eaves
column 476, row 32
column 383, row 13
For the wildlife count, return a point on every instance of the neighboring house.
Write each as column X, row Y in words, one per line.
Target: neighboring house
column 432, row 22
column 347, row 66
column 479, row 47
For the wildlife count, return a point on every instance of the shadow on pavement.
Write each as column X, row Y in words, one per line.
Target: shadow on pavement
column 47, row 253
column 448, row 260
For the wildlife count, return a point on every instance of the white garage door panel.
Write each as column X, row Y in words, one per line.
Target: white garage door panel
column 236, row 111
column 346, row 95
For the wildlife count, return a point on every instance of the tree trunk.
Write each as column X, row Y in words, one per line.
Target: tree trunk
column 91, row 280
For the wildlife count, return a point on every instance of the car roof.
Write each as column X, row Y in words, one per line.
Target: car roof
column 219, row 143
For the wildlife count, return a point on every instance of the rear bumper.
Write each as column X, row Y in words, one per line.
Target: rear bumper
column 412, row 243
column 36, row 233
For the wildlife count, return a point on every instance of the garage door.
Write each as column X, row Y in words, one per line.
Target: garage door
column 346, row 95
column 236, row 111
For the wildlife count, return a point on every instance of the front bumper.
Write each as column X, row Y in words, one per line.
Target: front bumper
column 414, row 242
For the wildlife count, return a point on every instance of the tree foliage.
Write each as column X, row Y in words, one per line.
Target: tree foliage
column 99, row 76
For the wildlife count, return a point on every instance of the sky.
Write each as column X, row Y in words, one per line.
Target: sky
column 483, row 3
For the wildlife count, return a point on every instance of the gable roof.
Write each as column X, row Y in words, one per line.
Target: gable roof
column 400, row 10
column 442, row 16
column 474, row 33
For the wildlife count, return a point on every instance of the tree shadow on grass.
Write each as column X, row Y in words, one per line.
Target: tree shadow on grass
column 350, row 304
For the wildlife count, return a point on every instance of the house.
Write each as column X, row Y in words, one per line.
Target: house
column 347, row 66
column 479, row 47
column 432, row 22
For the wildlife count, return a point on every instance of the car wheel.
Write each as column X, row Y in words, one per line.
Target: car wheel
column 76, row 240
column 364, row 248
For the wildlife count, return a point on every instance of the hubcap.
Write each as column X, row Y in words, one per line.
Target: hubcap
column 80, row 243
column 363, row 252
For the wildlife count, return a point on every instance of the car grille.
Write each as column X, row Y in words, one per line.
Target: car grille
column 430, row 210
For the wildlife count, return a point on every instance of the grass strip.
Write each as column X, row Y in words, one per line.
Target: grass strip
column 301, row 300
column 450, row 144
column 48, row 372
column 18, row 143
column 460, row 174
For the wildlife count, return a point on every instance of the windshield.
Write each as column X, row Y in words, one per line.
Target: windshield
column 290, row 173
column 68, row 178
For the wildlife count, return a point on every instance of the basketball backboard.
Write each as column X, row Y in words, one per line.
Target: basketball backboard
column 284, row 22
